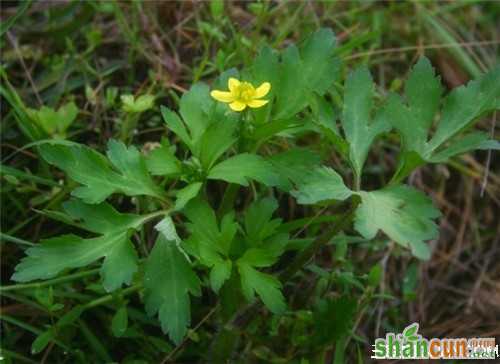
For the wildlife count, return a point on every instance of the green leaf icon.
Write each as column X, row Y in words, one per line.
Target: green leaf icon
column 410, row 332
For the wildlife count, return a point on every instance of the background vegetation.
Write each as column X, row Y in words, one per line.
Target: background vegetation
column 90, row 53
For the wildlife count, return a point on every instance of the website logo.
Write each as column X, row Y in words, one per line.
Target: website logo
column 411, row 345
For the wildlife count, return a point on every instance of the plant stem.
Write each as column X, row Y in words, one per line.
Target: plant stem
column 105, row 299
column 244, row 316
column 304, row 256
column 68, row 278
column 228, row 199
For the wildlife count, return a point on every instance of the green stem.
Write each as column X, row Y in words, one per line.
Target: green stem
column 228, row 199
column 13, row 239
column 108, row 298
column 303, row 257
column 244, row 316
column 68, row 278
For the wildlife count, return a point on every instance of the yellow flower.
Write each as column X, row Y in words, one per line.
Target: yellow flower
column 242, row 94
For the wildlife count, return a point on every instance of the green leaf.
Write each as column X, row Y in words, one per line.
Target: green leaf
column 119, row 322
column 217, row 139
column 359, row 128
column 54, row 255
column 42, row 341
column 413, row 118
column 319, row 66
column 258, row 220
column 137, row 105
column 410, row 332
column 404, row 214
column 292, row 85
column 55, row 122
column 244, row 167
column 312, row 68
column 333, row 319
column 265, row 68
column 93, row 171
column 293, row 166
column 167, row 227
column 465, row 104
column 195, row 108
column 210, row 244
column 204, row 224
column 175, row 124
column 469, row 142
column 267, row 287
column 220, row 273
column 322, row 184
column 169, row 281
column 162, row 162
column 186, row 194
column 259, row 257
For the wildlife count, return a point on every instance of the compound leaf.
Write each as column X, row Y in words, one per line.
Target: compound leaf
column 359, row 129
column 169, row 280
column 413, row 117
column 244, row 167
column 293, row 166
column 95, row 173
column 54, row 255
column 267, row 287
column 404, row 214
column 322, row 184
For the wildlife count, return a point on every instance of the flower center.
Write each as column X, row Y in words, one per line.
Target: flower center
column 245, row 92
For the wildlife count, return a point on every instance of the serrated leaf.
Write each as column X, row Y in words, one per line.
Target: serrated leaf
column 167, row 228
column 244, row 167
column 162, row 162
column 259, row 257
column 186, row 194
column 140, row 104
column 292, row 85
column 93, row 171
column 258, row 220
column 310, row 68
column 209, row 243
column 54, row 255
column 195, row 108
column 469, row 142
column 55, row 122
column 404, row 214
column 217, row 139
column 267, row 287
column 322, row 184
column 466, row 103
column 359, row 128
column 293, row 166
column 169, row 281
column 414, row 117
column 220, row 273
column 319, row 66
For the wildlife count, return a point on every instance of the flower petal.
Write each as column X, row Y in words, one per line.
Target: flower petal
column 232, row 84
column 262, row 90
column 257, row 103
column 237, row 106
column 222, row 96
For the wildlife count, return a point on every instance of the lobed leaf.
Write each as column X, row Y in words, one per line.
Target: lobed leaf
column 54, row 255
column 169, row 281
column 404, row 214
column 94, row 172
